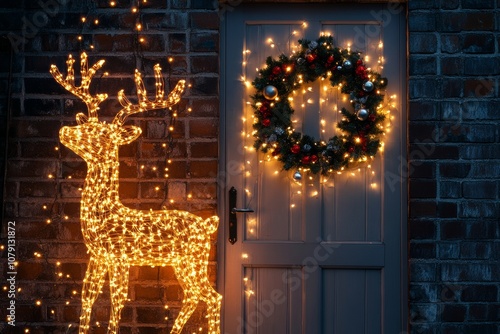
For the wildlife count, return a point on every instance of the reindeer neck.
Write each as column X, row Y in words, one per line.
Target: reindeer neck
column 101, row 185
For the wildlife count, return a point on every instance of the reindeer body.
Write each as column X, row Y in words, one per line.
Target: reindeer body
column 118, row 237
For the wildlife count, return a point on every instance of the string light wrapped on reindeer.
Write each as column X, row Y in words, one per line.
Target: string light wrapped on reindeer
column 118, row 237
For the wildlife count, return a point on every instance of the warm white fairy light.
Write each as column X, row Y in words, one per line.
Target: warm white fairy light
column 118, row 237
column 303, row 102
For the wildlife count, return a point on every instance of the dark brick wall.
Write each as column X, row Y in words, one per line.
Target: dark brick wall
column 44, row 177
column 454, row 154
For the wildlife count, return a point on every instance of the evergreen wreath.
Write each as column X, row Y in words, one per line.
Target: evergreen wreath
column 361, row 129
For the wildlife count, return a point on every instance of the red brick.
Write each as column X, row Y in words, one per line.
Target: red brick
column 71, row 190
column 38, row 189
column 203, row 128
column 203, row 169
column 479, row 43
column 205, row 64
column 479, row 293
column 203, row 190
column 422, row 132
column 70, row 231
column 148, row 273
column 422, row 169
column 479, row 189
column 128, row 169
column 423, row 110
column 451, row 43
column 423, row 209
column 177, row 169
column 422, row 250
column 39, row 149
column 148, row 292
column 479, row 88
column 452, row 65
column 483, row 229
column 207, row 107
column 204, row 20
column 447, row 209
column 454, row 170
column 37, row 129
column 151, row 315
column 453, row 230
column 166, row 20
column 71, row 314
column 27, row 229
column 454, row 313
column 30, row 271
column 173, row 293
column 422, row 188
column 41, row 107
column 152, row 190
column 176, row 42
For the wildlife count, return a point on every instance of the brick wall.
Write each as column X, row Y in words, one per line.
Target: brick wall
column 454, row 175
column 44, row 177
column 454, row 152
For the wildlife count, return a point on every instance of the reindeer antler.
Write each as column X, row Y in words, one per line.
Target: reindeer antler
column 144, row 103
column 82, row 91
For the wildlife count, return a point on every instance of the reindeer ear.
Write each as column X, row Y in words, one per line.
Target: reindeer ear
column 128, row 133
column 81, row 118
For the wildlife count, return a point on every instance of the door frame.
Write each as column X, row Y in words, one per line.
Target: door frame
column 223, row 185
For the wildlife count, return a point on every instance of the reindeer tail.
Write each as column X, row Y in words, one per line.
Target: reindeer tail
column 212, row 224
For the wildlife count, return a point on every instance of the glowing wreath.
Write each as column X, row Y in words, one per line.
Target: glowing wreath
column 274, row 131
column 118, row 237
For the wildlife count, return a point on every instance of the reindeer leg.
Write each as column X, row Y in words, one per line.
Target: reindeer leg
column 92, row 284
column 213, row 300
column 208, row 294
column 190, row 299
column 118, row 286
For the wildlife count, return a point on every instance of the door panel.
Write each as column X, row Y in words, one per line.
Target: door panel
column 322, row 255
column 272, row 304
column 352, row 301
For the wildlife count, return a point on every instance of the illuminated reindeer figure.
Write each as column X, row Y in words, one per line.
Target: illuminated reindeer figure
column 118, row 237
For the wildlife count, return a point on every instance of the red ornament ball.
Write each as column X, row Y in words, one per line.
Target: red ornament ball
column 295, row 149
column 314, row 158
column 287, row 68
column 306, row 160
column 310, row 58
column 276, row 70
column 266, row 122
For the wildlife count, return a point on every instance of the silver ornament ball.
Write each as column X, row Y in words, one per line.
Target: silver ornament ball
column 297, row 176
column 270, row 92
column 362, row 114
column 347, row 64
column 313, row 45
column 368, row 86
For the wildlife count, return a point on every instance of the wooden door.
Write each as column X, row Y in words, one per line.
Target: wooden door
column 326, row 255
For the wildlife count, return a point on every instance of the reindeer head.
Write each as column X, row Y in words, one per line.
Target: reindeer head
column 97, row 141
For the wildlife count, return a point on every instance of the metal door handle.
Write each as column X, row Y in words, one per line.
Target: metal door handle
column 235, row 210
column 233, row 220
